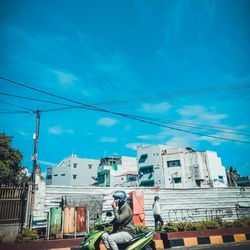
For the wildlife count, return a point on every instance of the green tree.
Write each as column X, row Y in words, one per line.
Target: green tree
column 10, row 162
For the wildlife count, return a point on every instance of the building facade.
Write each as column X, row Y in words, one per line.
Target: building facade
column 73, row 171
column 160, row 166
column 112, row 168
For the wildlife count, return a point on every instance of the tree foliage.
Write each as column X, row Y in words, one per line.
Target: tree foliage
column 10, row 162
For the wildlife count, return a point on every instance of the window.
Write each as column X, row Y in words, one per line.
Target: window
column 55, row 174
column 177, row 179
column 176, row 163
column 49, row 177
column 90, row 166
column 101, row 179
column 146, row 169
column 132, row 178
column 62, row 174
column 221, row 178
column 143, row 158
column 74, row 176
column 74, row 165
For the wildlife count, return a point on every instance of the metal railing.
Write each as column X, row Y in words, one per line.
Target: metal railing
column 13, row 201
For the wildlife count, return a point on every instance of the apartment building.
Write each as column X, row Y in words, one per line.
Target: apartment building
column 116, row 170
column 160, row 166
column 73, row 171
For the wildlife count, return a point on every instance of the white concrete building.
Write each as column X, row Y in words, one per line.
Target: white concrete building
column 112, row 168
column 73, row 171
column 165, row 167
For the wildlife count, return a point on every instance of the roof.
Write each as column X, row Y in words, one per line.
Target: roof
column 131, row 172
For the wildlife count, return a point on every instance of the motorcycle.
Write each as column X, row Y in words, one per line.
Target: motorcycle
column 141, row 241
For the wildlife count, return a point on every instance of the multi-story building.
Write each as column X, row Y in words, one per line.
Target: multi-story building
column 127, row 179
column 73, row 171
column 112, row 167
column 165, row 167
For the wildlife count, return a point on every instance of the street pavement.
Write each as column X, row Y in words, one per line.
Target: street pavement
column 226, row 246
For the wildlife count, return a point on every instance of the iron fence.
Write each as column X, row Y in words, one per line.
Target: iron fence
column 13, row 201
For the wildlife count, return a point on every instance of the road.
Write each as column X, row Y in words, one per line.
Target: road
column 225, row 246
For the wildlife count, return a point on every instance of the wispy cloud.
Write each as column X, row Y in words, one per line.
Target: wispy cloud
column 155, row 108
column 24, row 134
column 157, row 137
column 65, row 79
column 201, row 113
column 108, row 139
column 85, row 93
column 132, row 146
column 46, row 163
column 180, row 140
column 57, row 130
column 107, row 122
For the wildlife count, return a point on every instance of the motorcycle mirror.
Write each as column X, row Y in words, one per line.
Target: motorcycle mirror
column 109, row 214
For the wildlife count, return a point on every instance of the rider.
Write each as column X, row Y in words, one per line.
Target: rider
column 123, row 224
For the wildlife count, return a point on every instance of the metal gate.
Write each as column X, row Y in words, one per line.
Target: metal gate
column 13, row 203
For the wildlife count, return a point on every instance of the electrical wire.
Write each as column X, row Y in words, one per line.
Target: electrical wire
column 38, row 100
column 119, row 114
column 192, row 125
column 186, row 124
column 19, row 106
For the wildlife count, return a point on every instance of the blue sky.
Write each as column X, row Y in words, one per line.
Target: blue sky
column 182, row 61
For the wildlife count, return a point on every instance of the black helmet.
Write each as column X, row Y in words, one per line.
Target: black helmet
column 120, row 196
column 156, row 198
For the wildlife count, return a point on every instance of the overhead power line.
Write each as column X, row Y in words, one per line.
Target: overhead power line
column 186, row 124
column 38, row 100
column 19, row 106
column 93, row 108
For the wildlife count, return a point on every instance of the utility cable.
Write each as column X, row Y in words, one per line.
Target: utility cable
column 38, row 100
column 119, row 114
column 186, row 124
column 11, row 104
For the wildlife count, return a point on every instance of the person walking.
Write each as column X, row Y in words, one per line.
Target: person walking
column 157, row 213
column 123, row 223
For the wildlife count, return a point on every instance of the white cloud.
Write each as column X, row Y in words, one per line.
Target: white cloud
column 155, row 108
column 85, row 93
column 201, row 113
column 108, row 139
column 107, row 122
column 24, row 134
column 57, row 130
column 186, row 140
column 65, row 79
column 151, row 137
column 134, row 145
column 47, row 163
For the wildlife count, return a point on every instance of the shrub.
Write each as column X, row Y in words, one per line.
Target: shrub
column 206, row 224
column 27, row 235
column 141, row 228
column 170, row 227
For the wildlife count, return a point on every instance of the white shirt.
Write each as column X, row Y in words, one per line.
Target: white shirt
column 157, row 208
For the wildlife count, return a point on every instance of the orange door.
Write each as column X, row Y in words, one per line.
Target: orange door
column 69, row 216
column 137, row 198
column 81, row 219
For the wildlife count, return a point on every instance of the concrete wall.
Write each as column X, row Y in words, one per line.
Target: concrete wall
column 177, row 204
column 8, row 232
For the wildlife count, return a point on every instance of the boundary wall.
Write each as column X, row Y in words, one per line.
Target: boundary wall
column 176, row 204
